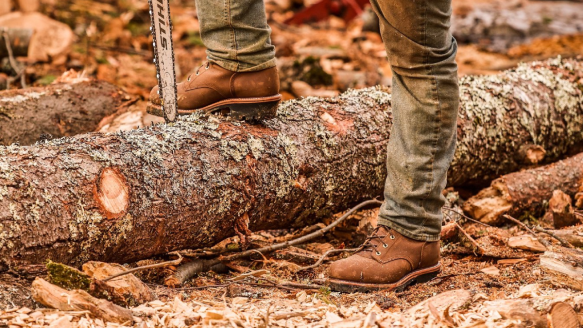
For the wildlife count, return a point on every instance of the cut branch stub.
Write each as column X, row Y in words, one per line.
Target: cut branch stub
column 111, row 190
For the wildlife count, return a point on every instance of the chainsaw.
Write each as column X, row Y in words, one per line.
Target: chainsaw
column 161, row 29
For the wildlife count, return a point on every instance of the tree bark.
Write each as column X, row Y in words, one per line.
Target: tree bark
column 526, row 191
column 131, row 195
column 58, row 110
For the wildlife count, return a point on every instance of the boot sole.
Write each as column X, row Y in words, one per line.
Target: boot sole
column 418, row 276
column 241, row 109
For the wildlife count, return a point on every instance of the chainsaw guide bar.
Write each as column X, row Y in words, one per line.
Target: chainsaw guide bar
column 161, row 29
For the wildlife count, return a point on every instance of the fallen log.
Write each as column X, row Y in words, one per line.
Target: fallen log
column 499, row 25
column 525, row 191
column 57, row 110
column 131, row 195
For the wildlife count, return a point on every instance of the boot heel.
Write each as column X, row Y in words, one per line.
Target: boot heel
column 252, row 112
column 426, row 277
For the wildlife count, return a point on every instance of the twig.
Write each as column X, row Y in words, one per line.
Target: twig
column 146, row 267
column 561, row 240
column 544, row 242
column 303, row 239
column 331, row 251
column 470, row 239
column 465, row 216
column 13, row 61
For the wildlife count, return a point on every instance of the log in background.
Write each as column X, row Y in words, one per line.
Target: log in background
column 58, row 110
column 131, row 195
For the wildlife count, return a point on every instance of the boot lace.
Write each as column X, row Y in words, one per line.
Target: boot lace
column 206, row 65
column 368, row 246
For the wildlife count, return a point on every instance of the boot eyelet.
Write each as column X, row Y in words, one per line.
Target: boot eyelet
column 378, row 253
column 208, row 66
column 385, row 245
column 392, row 237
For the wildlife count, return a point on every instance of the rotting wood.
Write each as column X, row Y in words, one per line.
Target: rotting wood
column 188, row 183
column 78, row 300
column 57, row 110
column 525, row 191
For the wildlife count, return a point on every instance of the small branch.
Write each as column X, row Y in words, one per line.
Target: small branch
column 303, row 239
column 561, row 240
column 331, row 251
column 146, row 267
column 470, row 239
column 466, row 217
column 13, row 61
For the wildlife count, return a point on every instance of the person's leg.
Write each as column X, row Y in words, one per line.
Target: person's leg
column 422, row 52
column 425, row 99
column 240, row 77
column 236, row 34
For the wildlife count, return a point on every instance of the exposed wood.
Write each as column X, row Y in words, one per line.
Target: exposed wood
column 62, row 109
column 188, row 184
column 527, row 190
column 564, row 268
column 131, row 289
column 526, row 242
column 562, row 315
column 560, row 212
column 572, row 236
column 55, row 297
column 523, row 311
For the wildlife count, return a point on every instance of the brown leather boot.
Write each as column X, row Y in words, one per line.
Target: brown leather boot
column 244, row 96
column 387, row 260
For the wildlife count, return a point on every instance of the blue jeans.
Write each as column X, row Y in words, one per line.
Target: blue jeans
column 425, row 101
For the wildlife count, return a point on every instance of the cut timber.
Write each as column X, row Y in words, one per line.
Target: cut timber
column 562, row 315
column 565, row 268
column 188, row 270
column 560, row 212
column 58, row 298
column 131, row 195
column 527, row 190
column 57, row 110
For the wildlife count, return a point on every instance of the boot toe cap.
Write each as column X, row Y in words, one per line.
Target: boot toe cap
column 154, row 96
column 352, row 268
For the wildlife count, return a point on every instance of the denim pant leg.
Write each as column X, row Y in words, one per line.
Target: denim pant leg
column 425, row 101
column 236, row 34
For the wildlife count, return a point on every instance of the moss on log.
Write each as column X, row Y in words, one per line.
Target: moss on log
column 131, row 195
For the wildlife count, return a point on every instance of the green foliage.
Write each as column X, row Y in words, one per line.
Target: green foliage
column 47, row 79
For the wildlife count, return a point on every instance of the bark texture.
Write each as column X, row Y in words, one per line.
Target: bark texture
column 63, row 109
column 131, row 195
column 526, row 191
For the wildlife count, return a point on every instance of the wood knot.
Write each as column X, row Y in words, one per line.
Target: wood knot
column 111, row 193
